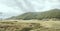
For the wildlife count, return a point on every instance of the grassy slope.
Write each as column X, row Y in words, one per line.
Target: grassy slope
column 53, row 13
column 30, row 26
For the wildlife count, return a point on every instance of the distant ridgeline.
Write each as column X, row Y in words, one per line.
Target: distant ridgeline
column 54, row 13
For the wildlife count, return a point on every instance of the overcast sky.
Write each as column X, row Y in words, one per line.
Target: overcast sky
column 16, row 7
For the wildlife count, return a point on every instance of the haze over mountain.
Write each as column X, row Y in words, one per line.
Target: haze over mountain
column 16, row 7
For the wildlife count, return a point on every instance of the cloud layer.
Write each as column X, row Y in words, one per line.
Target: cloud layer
column 16, row 7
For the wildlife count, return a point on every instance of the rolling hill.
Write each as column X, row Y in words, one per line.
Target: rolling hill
column 53, row 13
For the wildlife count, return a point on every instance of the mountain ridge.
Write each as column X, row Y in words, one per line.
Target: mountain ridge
column 53, row 13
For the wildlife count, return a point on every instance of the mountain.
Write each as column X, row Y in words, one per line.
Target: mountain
column 16, row 7
column 53, row 13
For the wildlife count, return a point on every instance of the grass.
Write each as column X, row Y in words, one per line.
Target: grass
column 29, row 25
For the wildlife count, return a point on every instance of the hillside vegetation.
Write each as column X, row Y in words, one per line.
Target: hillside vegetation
column 54, row 13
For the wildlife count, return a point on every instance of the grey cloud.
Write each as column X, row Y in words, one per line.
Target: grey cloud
column 28, row 6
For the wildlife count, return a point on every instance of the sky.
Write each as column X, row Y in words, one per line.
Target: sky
column 16, row 7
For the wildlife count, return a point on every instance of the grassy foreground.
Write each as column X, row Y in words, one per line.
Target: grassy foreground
column 29, row 25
